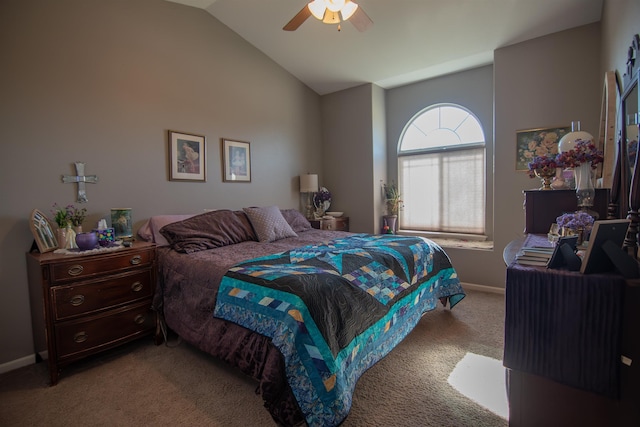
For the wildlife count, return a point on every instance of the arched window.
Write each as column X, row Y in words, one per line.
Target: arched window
column 441, row 171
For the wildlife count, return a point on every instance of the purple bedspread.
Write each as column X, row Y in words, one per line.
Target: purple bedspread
column 186, row 296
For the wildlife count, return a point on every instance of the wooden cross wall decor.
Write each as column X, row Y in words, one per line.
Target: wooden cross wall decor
column 80, row 179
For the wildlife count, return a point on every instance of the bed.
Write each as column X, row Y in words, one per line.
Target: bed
column 305, row 312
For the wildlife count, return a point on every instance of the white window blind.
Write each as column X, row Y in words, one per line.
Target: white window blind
column 441, row 167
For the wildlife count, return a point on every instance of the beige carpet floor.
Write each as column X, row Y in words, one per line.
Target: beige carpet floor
column 140, row 384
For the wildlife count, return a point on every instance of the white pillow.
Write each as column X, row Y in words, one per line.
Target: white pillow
column 269, row 224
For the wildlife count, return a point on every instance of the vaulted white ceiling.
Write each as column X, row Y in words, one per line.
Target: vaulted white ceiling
column 410, row 40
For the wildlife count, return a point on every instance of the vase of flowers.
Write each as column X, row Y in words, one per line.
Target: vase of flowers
column 322, row 202
column 69, row 220
column 577, row 223
column 77, row 216
column 544, row 168
column 583, row 157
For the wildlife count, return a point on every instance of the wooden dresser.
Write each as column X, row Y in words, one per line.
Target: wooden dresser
column 84, row 304
column 334, row 224
column 542, row 207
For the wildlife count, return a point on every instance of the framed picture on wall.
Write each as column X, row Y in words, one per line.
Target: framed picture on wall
column 236, row 160
column 187, row 157
column 537, row 142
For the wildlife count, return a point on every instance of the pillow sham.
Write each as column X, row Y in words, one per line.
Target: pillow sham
column 209, row 230
column 296, row 220
column 269, row 224
column 150, row 230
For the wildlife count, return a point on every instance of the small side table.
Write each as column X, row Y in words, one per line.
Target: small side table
column 333, row 224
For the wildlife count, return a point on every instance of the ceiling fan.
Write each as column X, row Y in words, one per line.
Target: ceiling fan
column 332, row 12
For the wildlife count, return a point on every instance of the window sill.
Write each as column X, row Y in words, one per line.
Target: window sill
column 454, row 241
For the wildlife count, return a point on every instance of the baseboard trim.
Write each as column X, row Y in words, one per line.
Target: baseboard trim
column 17, row 363
column 483, row 288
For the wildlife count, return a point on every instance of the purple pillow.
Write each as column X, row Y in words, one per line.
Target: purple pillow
column 208, row 231
column 296, row 220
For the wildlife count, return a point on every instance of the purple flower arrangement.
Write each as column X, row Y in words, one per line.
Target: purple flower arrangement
column 321, row 196
column 582, row 152
column 575, row 221
column 543, row 164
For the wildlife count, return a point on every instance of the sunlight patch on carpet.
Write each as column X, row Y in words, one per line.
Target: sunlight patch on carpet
column 482, row 379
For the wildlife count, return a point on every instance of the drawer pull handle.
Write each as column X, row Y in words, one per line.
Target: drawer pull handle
column 80, row 337
column 76, row 269
column 136, row 286
column 76, row 300
column 136, row 260
column 139, row 319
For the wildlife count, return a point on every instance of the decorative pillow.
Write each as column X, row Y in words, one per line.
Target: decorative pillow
column 150, row 230
column 209, row 230
column 269, row 224
column 296, row 220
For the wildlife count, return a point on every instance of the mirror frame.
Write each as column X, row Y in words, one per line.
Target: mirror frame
column 610, row 100
column 630, row 87
column 42, row 232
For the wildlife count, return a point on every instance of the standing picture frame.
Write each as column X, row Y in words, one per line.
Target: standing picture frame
column 42, row 232
column 537, row 142
column 236, row 161
column 596, row 259
column 187, row 157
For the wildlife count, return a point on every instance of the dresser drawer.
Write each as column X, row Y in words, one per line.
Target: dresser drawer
column 73, row 300
column 89, row 265
column 76, row 337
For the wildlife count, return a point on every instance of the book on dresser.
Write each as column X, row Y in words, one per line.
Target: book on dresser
column 534, row 255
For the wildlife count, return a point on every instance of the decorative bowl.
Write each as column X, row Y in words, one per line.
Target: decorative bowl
column 335, row 214
column 87, row 241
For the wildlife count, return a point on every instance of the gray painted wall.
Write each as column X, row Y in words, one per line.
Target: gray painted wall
column 102, row 82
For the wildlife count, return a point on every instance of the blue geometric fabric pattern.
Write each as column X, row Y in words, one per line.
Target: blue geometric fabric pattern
column 333, row 310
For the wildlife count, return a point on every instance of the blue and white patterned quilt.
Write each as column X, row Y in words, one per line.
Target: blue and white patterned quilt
column 335, row 309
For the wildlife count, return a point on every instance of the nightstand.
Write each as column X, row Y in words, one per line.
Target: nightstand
column 84, row 304
column 334, row 224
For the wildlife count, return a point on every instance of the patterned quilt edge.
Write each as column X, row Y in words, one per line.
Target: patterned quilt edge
column 329, row 409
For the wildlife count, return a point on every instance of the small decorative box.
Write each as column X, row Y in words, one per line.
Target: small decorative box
column 105, row 236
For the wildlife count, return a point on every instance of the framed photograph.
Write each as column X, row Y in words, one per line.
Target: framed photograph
column 42, row 232
column 187, row 157
column 595, row 258
column 236, row 161
column 537, row 142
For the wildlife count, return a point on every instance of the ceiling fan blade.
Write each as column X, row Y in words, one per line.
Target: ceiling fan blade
column 298, row 19
column 361, row 20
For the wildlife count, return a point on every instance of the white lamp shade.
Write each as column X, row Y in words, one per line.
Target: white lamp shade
column 568, row 141
column 308, row 183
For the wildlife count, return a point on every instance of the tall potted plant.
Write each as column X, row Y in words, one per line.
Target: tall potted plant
column 393, row 203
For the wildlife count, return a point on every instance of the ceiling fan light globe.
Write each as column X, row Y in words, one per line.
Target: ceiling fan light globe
column 348, row 10
column 331, row 17
column 335, row 5
column 317, row 8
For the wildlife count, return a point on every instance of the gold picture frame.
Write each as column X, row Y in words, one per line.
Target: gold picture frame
column 537, row 142
column 187, row 157
column 42, row 232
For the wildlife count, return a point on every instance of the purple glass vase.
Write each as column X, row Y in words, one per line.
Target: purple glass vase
column 87, row 241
